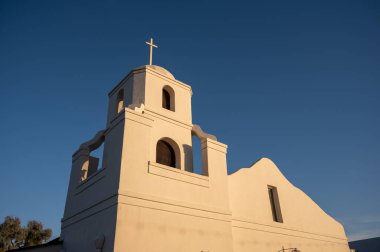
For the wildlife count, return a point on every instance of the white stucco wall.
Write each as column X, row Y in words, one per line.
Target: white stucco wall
column 305, row 225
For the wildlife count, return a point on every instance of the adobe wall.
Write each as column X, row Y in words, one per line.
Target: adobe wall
column 305, row 225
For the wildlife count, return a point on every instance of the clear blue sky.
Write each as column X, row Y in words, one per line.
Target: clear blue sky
column 294, row 81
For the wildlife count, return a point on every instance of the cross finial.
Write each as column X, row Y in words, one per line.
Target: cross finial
column 151, row 45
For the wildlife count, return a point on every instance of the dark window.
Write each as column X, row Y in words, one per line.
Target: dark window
column 165, row 154
column 165, row 99
column 275, row 204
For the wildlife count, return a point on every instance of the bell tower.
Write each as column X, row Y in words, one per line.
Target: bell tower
column 155, row 91
column 144, row 196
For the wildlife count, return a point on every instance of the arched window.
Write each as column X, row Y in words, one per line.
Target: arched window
column 168, row 98
column 165, row 154
column 120, row 100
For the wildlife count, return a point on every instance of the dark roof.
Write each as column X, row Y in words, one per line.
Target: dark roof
column 367, row 245
column 53, row 242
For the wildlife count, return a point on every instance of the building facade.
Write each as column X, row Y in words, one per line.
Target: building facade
column 142, row 193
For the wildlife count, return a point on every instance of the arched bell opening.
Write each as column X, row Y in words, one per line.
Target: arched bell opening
column 168, row 98
column 167, row 153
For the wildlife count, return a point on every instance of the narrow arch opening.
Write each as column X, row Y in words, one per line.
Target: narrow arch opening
column 120, row 100
column 95, row 160
column 168, row 98
column 165, row 154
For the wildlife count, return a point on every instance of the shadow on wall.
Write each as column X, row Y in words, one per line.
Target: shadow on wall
column 193, row 156
column 188, row 157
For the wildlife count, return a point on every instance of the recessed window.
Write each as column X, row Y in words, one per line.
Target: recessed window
column 275, row 204
column 168, row 98
column 120, row 100
column 165, row 154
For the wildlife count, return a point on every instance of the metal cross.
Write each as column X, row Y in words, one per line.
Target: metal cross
column 151, row 45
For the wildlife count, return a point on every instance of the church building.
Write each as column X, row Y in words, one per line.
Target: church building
column 142, row 194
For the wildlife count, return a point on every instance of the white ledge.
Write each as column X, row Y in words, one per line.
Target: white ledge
column 177, row 174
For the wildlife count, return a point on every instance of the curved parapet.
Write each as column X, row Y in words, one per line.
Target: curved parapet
column 94, row 142
column 268, row 212
column 197, row 131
